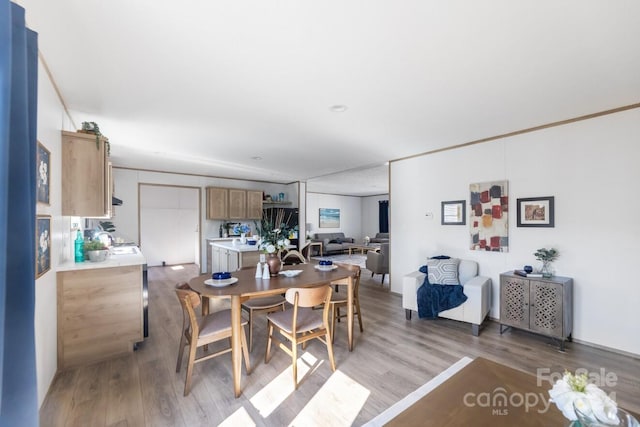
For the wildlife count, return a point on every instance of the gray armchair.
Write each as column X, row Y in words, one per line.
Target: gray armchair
column 378, row 262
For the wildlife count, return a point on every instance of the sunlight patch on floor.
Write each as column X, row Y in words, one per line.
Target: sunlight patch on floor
column 274, row 393
column 177, row 267
column 239, row 418
column 337, row 403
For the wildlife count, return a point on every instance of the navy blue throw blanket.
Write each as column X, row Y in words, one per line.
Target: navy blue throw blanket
column 434, row 298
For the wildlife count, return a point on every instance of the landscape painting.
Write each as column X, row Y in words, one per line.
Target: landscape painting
column 329, row 218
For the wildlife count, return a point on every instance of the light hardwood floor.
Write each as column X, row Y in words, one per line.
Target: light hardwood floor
column 391, row 358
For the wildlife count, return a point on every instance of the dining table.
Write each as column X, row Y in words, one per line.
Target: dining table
column 249, row 286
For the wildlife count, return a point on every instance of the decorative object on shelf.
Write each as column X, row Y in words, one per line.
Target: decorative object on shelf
column 453, row 213
column 329, row 218
column 536, row 212
column 43, row 244
column 489, row 215
column 580, row 400
column 44, row 165
column 528, row 269
column 273, row 231
column 547, row 256
column 92, row 127
column 367, row 240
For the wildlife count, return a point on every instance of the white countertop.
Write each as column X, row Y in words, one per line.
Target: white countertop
column 112, row 260
column 237, row 247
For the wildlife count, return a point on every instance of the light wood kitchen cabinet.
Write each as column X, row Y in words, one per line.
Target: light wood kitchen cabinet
column 100, row 314
column 86, row 175
column 254, row 204
column 237, row 204
column 233, row 203
column 217, row 203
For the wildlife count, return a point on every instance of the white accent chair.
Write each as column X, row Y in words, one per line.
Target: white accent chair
column 476, row 288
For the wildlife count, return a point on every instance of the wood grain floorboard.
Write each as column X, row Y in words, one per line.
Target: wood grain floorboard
column 391, row 359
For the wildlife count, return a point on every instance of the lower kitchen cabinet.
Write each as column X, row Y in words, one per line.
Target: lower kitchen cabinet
column 539, row 305
column 100, row 314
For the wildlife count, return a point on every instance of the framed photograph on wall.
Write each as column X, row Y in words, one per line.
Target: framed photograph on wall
column 454, row 213
column 329, row 218
column 536, row 212
column 43, row 163
column 43, row 244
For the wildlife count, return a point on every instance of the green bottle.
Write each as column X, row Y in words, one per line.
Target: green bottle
column 79, row 247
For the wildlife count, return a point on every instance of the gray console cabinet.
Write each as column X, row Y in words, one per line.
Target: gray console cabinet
column 543, row 306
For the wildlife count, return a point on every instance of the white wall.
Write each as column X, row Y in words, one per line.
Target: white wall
column 350, row 213
column 591, row 167
column 370, row 214
column 51, row 119
column 126, row 188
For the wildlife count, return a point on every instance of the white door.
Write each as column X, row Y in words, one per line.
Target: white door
column 169, row 224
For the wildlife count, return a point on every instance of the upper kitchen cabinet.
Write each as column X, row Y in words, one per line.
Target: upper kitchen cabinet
column 233, row 203
column 237, row 204
column 217, row 203
column 254, row 204
column 86, row 175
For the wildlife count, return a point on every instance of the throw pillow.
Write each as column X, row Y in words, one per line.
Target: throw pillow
column 326, row 241
column 443, row 271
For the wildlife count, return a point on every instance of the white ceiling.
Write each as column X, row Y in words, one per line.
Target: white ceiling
column 204, row 86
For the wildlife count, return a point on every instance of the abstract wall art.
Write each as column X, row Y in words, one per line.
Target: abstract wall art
column 489, row 216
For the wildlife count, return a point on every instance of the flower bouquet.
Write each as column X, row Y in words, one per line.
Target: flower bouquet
column 241, row 229
column 580, row 400
column 273, row 232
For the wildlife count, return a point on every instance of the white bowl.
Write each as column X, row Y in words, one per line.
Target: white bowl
column 290, row 273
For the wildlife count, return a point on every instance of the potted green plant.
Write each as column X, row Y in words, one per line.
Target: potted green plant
column 96, row 251
column 547, row 256
column 92, row 127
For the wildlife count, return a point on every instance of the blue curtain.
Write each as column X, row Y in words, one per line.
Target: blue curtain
column 18, row 109
column 383, row 216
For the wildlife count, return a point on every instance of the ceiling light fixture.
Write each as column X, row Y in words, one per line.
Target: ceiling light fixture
column 256, row 158
column 338, row 108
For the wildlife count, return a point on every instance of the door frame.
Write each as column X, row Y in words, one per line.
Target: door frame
column 153, row 184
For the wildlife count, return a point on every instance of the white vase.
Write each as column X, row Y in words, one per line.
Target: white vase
column 243, row 238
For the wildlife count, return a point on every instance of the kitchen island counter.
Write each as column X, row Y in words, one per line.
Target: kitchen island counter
column 225, row 256
column 101, row 308
column 131, row 255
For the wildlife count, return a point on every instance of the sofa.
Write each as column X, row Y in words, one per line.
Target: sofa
column 333, row 242
column 380, row 238
column 476, row 288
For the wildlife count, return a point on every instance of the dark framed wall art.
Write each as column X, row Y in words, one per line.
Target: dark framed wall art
column 536, row 212
column 453, row 213
column 43, row 163
column 43, row 244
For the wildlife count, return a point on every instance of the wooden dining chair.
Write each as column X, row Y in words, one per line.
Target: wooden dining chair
column 300, row 324
column 261, row 305
column 293, row 257
column 198, row 333
column 339, row 299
